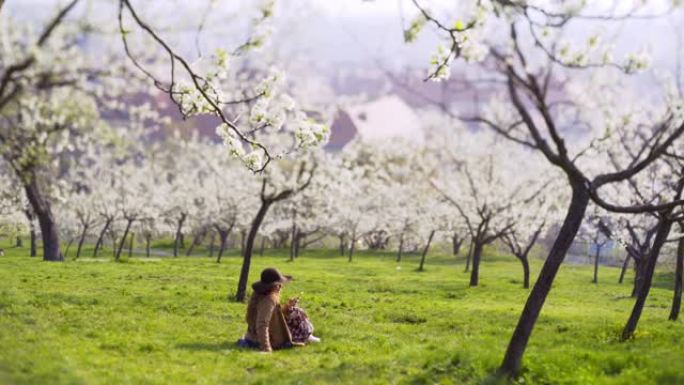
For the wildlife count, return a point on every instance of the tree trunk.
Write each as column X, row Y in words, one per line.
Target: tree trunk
column 639, row 274
column 298, row 243
column 352, row 245
column 625, row 264
column 48, row 226
column 100, row 238
column 664, row 227
column 242, row 242
column 130, row 245
column 32, row 231
column 223, row 235
column 456, row 244
column 293, row 235
column 293, row 243
column 469, row 256
column 66, row 251
column 401, row 247
column 526, row 271
column 34, row 246
column 679, row 272
column 261, row 247
column 123, row 239
column 148, row 238
column 510, row 365
column 477, row 254
column 247, row 255
column 425, row 250
column 179, row 234
column 342, row 246
column 19, row 242
column 196, row 240
column 596, row 264
column 81, row 240
column 211, row 244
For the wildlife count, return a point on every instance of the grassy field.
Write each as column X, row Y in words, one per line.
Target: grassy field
column 169, row 321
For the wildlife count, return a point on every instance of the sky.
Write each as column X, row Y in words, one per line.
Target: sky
column 332, row 35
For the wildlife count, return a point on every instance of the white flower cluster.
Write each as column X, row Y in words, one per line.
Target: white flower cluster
column 262, row 28
column 471, row 50
column 230, row 140
column 308, row 133
column 193, row 102
column 440, row 64
column 417, row 24
column 594, row 52
column 271, row 112
column 636, row 62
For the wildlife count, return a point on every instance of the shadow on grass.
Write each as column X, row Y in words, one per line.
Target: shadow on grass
column 663, row 280
column 209, row 346
column 497, row 379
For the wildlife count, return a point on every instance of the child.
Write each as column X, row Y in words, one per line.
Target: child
column 298, row 322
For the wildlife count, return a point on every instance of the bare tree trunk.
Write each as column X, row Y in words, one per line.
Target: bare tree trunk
column 526, row 272
column 48, row 226
column 596, row 264
column 148, row 239
column 32, row 231
column 401, row 247
column 34, row 246
column 639, row 274
column 100, row 238
column 298, row 243
column 625, row 264
column 510, row 365
column 352, row 245
column 679, row 272
column 212, row 243
column 469, row 256
column 196, row 240
column 129, row 222
column 130, row 245
column 425, row 250
column 342, row 246
column 81, row 240
column 661, row 237
column 223, row 235
column 247, row 255
column 293, row 235
column 19, row 242
column 456, row 244
column 66, row 251
column 477, row 254
column 293, row 243
column 242, row 242
column 179, row 234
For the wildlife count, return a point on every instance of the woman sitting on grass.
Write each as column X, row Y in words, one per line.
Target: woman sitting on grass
column 267, row 326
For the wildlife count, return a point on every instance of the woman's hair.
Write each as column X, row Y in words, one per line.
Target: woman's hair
column 274, row 289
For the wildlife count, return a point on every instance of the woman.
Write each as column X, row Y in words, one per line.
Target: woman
column 266, row 325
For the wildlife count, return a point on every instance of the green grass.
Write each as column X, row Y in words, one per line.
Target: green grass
column 169, row 321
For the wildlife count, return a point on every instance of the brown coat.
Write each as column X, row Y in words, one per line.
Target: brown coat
column 266, row 323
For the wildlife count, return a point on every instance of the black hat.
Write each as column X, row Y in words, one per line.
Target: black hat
column 269, row 278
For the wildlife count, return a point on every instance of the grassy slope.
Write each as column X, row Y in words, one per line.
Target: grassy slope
column 169, row 321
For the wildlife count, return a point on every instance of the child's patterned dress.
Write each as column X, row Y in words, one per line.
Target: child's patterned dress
column 300, row 326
